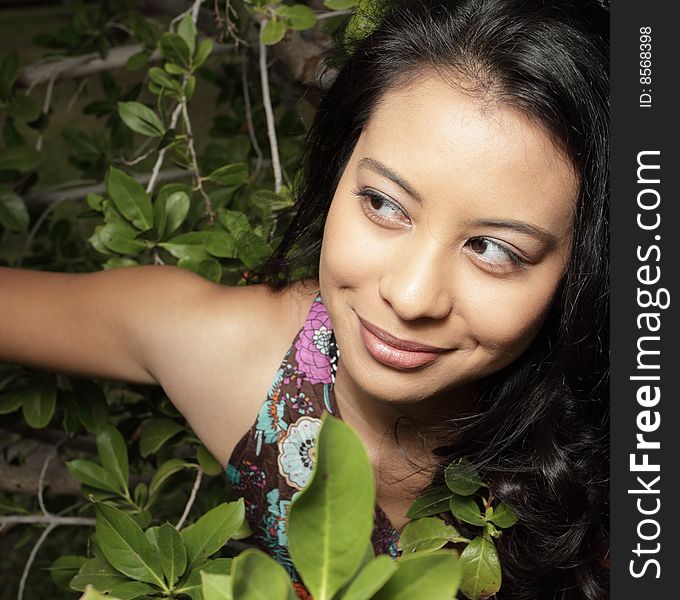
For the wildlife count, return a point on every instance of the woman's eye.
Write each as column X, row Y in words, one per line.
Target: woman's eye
column 497, row 255
column 379, row 208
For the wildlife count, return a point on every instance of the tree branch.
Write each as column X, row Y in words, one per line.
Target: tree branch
column 269, row 113
column 192, row 498
column 78, row 192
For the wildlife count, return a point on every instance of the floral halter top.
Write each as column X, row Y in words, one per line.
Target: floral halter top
column 272, row 461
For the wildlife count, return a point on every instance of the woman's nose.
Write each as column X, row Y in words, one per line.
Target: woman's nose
column 416, row 284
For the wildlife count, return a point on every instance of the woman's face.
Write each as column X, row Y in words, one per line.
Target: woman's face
column 450, row 228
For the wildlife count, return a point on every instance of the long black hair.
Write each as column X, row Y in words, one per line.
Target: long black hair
column 539, row 429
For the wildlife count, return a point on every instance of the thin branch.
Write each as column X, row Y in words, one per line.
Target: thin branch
column 249, row 118
column 41, row 482
column 72, row 67
column 35, row 229
column 194, row 162
column 81, row 191
column 46, row 520
column 31, row 558
column 335, row 13
column 76, row 94
column 161, row 155
column 46, row 109
column 192, row 498
column 269, row 113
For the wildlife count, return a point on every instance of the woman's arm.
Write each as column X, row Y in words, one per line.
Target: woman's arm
column 100, row 325
column 213, row 348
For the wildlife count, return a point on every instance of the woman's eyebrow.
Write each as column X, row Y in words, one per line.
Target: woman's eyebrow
column 381, row 169
column 519, row 226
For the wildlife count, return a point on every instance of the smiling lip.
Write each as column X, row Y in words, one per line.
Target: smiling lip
column 393, row 352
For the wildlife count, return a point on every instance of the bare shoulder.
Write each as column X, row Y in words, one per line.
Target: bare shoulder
column 218, row 365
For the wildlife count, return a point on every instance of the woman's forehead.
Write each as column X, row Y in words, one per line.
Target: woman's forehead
column 446, row 142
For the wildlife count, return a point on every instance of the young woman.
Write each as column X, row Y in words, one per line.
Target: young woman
column 454, row 205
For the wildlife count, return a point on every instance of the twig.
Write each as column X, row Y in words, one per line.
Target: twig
column 192, row 498
column 76, row 94
column 335, row 13
column 249, row 118
column 31, row 558
column 161, row 155
column 36, row 228
column 178, row 109
column 269, row 113
column 194, row 162
column 41, row 482
column 46, row 109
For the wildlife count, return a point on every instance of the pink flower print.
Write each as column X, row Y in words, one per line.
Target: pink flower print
column 312, row 348
column 297, row 451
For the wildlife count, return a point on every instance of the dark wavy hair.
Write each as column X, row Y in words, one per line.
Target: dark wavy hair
column 539, row 429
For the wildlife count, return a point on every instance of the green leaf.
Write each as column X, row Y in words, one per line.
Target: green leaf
column 188, row 252
column 187, row 31
column 39, row 401
column 205, row 48
column 9, row 71
column 481, row 569
column 92, row 474
column 19, row 158
column 192, row 584
column 131, row 590
column 234, row 174
column 462, row 478
column 141, row 118
column 98, row 573
column 503, row 516
column 467, row 509
column 124, row 545
column 157, row 432
column 97, row 242
column 170, row 211
column 207, row 461
column 212, row 530
column 174, row 69
column 91, row 406
column 119, row 262
column 426, row 535
column 161, row 78
column 339, row 4
column 113, row 453
column 371, row 578
column 64, row 569
column 95, row 201
column 272, row 32
column 251, row 249
column 257, row 576
column 13, row 212
column 120, row 238
column 434, row 576
column 23, row 108
column 433, row 502
column 172, row 553
column 334, row 512
column 165, row 471
column 9, row 403
column 141, row 495
column 92, row 593
column 130, row 199
column 220, row 244
column 217, row 587
column 297, row 16
column 137, row 61
column 175, row 49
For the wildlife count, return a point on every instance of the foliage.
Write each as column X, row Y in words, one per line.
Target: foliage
column 220, row 213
